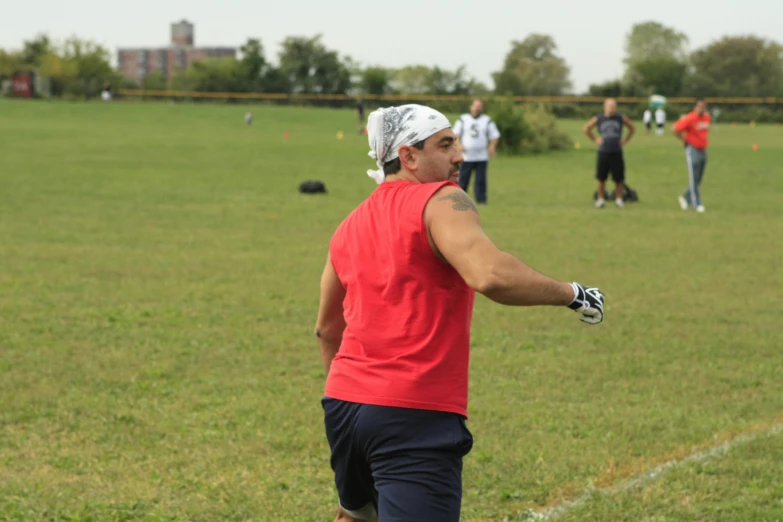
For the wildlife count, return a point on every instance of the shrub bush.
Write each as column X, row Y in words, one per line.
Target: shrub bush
column 514, row 128
column 546, row 134
column 529, row 129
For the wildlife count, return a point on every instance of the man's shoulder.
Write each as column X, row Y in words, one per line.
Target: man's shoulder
column 361, row 207
column 347, row 219
column 685, row 121
column 452, row 194
column 416, row 194
column 444, row 187
column 406, row 192
column 440, row 189
column 348, row 225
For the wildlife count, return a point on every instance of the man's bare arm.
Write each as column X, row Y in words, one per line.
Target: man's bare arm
column 680, row 135
column 680, row 127
column 588, row 129
column 455, row 230
column 493, row 144
column 631, row 129
column 330, row 324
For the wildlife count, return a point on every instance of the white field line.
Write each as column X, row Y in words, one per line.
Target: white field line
column 648, row 476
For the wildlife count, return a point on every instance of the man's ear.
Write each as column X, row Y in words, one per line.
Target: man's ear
column 407, row 158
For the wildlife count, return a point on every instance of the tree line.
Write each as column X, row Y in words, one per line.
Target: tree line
column 657, row 61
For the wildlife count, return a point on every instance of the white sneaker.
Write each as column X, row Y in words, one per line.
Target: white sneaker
column 600, row 203
column 619, row 203
column 683, row 203
column 700, row 208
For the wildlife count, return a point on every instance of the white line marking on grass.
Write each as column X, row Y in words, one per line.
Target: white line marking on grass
column 646, row 477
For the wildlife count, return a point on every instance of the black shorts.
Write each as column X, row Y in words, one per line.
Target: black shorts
column 660, row 125
column 610, row 162
column 404, row 463
column 648, row 124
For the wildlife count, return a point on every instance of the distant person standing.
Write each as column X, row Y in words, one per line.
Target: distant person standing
column 106, row 93
column 360, row 115
column 715, row 112
column 478, row 137
column 692, row 129
column 647, row 119
column 610, row 150
column 660, row 120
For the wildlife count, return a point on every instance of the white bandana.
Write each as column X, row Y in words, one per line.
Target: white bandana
column 389, row 129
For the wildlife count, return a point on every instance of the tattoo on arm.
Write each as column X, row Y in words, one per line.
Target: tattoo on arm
column 462, row 201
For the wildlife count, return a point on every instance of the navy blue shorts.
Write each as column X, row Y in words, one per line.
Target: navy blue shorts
column 406, row 463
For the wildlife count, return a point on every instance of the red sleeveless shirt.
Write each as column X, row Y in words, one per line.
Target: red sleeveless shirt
column 408, row 314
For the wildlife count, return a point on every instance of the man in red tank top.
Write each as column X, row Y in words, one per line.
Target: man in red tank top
column 394, row 318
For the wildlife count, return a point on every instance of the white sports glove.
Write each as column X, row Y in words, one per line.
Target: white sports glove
column 589, row 302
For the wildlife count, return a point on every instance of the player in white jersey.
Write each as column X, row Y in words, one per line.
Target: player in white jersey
column 477, row 138
column 647, row 119
column 660, row 120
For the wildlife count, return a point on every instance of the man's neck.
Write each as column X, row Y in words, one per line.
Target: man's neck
column 403, row 175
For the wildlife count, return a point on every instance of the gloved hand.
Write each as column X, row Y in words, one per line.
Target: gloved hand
column 589, row 302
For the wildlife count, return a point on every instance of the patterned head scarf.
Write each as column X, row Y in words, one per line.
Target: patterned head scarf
column 389, row 129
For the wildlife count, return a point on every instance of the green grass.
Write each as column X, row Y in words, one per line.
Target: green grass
column 744, row 485
column 159, row 283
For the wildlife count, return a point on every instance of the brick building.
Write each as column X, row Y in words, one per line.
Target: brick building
column 135, row 64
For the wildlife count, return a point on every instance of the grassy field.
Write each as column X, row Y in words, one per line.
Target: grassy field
column 158, row 289
column 744, row 485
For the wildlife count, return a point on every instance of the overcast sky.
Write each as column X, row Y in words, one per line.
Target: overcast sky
column 590, row 34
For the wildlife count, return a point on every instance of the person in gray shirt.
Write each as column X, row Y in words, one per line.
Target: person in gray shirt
column 610, row 149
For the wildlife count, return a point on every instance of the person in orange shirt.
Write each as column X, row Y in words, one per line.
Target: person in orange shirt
column 692, row 129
